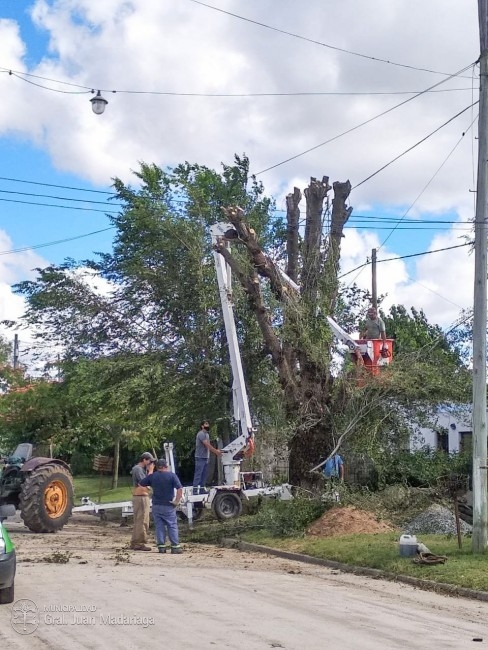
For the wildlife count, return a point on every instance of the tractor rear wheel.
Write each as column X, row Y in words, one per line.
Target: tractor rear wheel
column 46, row 499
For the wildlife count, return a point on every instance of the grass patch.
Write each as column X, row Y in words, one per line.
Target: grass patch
column 381, row 552
column 89, row 486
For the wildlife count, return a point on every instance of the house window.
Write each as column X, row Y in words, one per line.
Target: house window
column 466, row 440
column 443, row 440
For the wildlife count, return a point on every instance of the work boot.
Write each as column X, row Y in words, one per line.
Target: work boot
column 141, row 547
column 161, row 548
column 176, row 550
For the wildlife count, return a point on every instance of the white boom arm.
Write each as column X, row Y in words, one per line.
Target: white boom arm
column 223, row 233
column 239, row 393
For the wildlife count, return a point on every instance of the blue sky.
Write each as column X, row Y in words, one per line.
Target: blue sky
column 53, row 137
column 34, row 224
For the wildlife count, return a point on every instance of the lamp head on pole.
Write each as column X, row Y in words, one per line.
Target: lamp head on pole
column 98, row 103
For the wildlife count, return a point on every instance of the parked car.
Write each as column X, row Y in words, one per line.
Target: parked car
column 7, row 558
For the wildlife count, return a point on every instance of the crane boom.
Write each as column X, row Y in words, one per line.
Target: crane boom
column 245, row 439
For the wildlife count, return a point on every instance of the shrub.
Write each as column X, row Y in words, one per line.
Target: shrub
column 81, row 463
column 423, row 468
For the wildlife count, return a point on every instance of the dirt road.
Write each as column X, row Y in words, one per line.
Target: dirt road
column 213, row 598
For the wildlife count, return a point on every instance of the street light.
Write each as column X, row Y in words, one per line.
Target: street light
column 98, row 103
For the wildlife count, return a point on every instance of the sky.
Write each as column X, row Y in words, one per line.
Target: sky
column 323, row 70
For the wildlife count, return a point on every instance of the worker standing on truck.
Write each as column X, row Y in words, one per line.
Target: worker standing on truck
column 202, row 454
column 374, row 326
column 140, row 502
column 164, row 483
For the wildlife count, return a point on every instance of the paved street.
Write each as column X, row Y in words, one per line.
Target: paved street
column 217, row 598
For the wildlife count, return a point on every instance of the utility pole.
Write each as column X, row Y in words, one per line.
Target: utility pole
column 374, row 294
column 480, row 451
column 16, row 351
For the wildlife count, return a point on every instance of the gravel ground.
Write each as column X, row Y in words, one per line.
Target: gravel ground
column 435, row 520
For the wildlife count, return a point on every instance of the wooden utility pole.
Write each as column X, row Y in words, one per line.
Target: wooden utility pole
column 374, row 293
column 16, row 351
column 480, row 487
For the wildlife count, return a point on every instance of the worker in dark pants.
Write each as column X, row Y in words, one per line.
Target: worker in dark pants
column 164, row 483
column 202, row 454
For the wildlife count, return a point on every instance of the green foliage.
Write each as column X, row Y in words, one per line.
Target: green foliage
column 81, row 463
column 422, row 468
column 146, row 351
column 282, row 518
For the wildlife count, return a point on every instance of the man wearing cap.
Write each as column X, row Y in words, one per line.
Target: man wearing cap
column 164, row 483
column 140, row 502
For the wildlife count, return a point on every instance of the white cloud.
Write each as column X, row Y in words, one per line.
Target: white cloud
column 15, row 267
column 183, row 47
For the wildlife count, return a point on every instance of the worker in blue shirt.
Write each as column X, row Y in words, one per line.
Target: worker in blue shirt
column 334, row 468
column 167, row 493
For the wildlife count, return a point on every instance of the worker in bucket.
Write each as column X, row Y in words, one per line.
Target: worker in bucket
column 203, row 448
column 140, row 502
column 374, row 326
column 167, row 493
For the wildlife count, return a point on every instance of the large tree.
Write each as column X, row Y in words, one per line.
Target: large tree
column 151, row 307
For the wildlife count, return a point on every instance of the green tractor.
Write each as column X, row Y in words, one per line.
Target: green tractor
column 41, row 488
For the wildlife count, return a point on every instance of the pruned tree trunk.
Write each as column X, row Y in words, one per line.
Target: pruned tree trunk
column 304, row 374
column 293, row 222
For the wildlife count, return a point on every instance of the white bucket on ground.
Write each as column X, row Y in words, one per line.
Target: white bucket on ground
column 408, row 545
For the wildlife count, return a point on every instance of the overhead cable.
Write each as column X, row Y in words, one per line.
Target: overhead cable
column 358, row 126
column 54, row 243
column 414, row 146
column 315, row 42
column 403, row 257
column 24, row 76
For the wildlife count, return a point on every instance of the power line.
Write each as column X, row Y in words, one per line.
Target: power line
column 419, row 227
column 403, row 257
column 55, row 90
column 354, row 128
column 430, row 180
column 418, row 196
column 415, row 145
column 58, row 198
column 54, row 243
column 87, row 89
column 54, row 205
column 64, row 187
column 82, row 189
column 311, row 40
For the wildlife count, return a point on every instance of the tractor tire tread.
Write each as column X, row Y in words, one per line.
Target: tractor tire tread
column 31, row 499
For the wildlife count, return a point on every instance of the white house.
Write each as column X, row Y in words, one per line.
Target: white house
column 452, row 431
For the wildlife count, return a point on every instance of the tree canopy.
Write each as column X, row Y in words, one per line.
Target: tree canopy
column 145, row 346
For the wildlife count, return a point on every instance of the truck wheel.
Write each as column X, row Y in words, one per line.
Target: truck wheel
column 46, row 499
column 227, row 505
column 7, row 595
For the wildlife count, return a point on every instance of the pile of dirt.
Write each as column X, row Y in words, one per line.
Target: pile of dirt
column 347, row 521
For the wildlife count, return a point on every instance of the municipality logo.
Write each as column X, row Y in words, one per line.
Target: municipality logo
column 25, row 616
